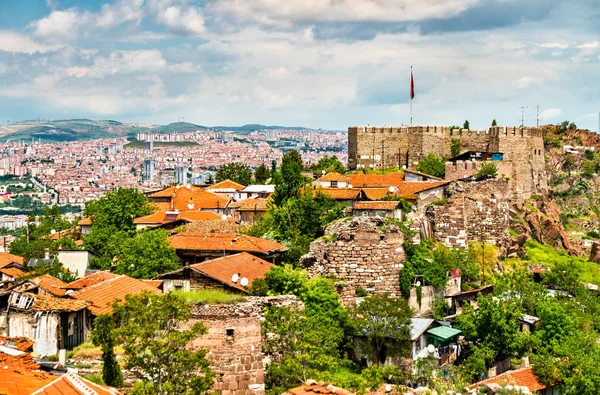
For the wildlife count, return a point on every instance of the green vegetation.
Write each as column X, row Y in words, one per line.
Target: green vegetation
column 103, row 335
column 328, row 164
column 236, row 172
column 262, row 175
column 488, row 170
column 432, row 165
column 210, row 296
column 455, row 147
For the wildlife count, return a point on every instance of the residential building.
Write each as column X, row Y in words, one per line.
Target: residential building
column 391, row 209
column 148, row 170
column 181, row 174
column 189, row 198
column 255, row 191
column 226, row 188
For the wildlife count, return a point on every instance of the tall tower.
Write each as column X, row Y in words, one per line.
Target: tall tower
column 181, row 175
column 148, row 170
column 148, row 145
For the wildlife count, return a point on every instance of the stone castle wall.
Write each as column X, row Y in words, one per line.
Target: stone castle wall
column 358, row 254
column 234, row 342
column 474, row 211
column 404, row 146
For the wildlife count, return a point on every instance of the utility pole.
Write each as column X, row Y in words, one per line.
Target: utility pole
column 537, row 116
column 482, row 261
column 382, row 157
column 523, row 116
column 373, row 157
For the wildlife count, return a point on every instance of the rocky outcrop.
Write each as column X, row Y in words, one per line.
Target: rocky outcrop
column 595, row 253
column 362, row 252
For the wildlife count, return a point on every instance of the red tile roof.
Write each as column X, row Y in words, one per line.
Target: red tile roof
column 13, row 272
column 376, row 180
column 333, row 176
column 521, row 377
column 103, row 294
column 224, row 185
column 6, row 259
column 72, row 384
column 376, row 193
column 52, row 303
column 224, row 242
column 413, row 188
column 243, row 264
column 85, row 222
column 191, row 198
column 339, row 193
column 376, row 205
column 18, row 343
column 253, row 204
column 90, row 280
column 50, row 284
column 311, row 387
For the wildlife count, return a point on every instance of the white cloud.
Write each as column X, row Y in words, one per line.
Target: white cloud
column 274, row 12
column 182, row 20
column 554, row 45
column 550, row 114
column 527, row 81
column 145, row 37
column 15, row 42
column 590, row 45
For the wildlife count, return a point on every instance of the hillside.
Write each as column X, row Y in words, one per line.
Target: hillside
column 84, row 129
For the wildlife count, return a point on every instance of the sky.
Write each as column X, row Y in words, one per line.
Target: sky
column 315, row 63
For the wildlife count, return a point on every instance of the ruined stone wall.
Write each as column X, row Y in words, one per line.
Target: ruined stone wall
column 407, row 145
column 234, row 342
column 506, row 169
column 474, row 211
column 359, row 254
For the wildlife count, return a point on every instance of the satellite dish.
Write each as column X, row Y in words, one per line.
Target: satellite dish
column 391, row 189
column 188, row 186
column 403, row 167
column 235, row 278
column 178, row 186
column 223, row 217
column 388, row 388
column 244, row 282
column 53, row 232
column 323, row 172
column 350, row 186
column 418, row 284
column 430, row 349
column 191, row 206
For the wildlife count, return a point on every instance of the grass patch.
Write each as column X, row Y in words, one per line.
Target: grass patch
column 94, row 378
column 210, row 296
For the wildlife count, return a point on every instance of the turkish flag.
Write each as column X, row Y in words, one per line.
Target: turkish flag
column 412, row 85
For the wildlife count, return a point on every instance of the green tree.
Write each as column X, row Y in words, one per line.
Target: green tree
column 328, row 164
column 385, row 323
column 432, row 165
column 289, row 179
column 156, row 347
column 486, row 171
column 117, row 209
column 588, row 169
column 262, row 174
column 147, row 255
column 103, row 335
column 455, row 147
column 494, row 123
column 589, row 154
column 466, row 125
column 236, row 172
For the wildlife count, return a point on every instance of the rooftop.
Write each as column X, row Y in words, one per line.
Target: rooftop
column 521, row 377
column 333, row 176
column 224, row 242
column 6, row 259
column 226, row 186
column 377, row 205
column 89, row 280
column 312, row 387
column 376, row 180
column 190, row 198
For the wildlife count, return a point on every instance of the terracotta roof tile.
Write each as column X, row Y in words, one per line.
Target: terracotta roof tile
column 22, row 382
column 85, row 222
column 200, row 216
column 311, row 387
column 253, row 204
column 224, row 242
column 376, row 205
column 6, row 259
column 339, row 193
column 18, row 343
column 90, row 280
column 13, row 272
column 226, row 184
column 376, row 180
column 72, row 384
column 161, row 217
column 52, row 303
column 103, row 294
column 50, row 284
column 376, row 193
column 412, row 188
column 333, row 176
column 521, row 377
column 244, row 264
column 191, row 198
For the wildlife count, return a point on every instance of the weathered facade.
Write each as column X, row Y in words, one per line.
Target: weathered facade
column 405, row 146
column 359, row 254
column 234, row 341
column 474, row 212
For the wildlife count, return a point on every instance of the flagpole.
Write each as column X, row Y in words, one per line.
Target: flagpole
column 411, row 96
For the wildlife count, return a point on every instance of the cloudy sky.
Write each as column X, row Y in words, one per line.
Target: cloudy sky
column 316, row 63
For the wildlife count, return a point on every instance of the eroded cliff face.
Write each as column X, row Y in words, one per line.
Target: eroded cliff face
column 359, row 252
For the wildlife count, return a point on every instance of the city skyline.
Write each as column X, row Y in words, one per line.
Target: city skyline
column 322, row 65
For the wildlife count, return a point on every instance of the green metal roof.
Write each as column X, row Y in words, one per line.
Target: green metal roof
column 443, row 332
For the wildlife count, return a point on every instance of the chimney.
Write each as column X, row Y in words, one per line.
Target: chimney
column 47, row 253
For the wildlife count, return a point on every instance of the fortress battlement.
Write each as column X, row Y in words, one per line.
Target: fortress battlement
column 507, row 131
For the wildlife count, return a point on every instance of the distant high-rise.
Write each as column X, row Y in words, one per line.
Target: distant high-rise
column 148, row 145
column 148, row 170
column 181, row 175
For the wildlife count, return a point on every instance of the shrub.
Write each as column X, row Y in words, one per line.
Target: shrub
column 487, row 170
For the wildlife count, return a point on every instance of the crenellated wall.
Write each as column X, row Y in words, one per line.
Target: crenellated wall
column 404, row 146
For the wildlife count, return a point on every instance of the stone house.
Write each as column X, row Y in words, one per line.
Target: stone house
column 234, row 273
column 383, row 209
column 332, row 180
column 248, row 210
column 458, row 300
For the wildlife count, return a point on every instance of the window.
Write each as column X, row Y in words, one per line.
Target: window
column 230, row 332
column 334, row 184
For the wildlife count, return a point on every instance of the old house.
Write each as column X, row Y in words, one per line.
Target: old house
column 524, row 378
column 85, row 226
column 347, row 196
column 234, row 273
column 249, row 210
column 53, row 323
column 411, row 175
column 458, row 300
column 434, row 339
column 89, row 280
column 172, row 219
column 198, row 247
column 391, row 209
column 189, row 198
column 9, row 260
column 333, row 180
column 101, row 295
column 226, row 188
column 75, row 261
column 255, row 191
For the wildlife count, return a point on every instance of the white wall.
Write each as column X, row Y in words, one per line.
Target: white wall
column 75, row 261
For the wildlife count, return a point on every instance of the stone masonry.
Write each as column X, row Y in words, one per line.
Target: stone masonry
column 399, row 146
column 359, row 252
column 475, row 211
column 234, row 342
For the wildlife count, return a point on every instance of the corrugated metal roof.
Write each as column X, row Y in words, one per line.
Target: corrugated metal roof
column 444, row 332
column 418, row 326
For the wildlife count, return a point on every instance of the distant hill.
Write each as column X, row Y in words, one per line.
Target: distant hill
column 84, row 129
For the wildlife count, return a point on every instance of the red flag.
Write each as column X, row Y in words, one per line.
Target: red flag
column 412, row 85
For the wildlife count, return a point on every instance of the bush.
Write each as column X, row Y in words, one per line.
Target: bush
column 432, row 165
column 487, row 170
